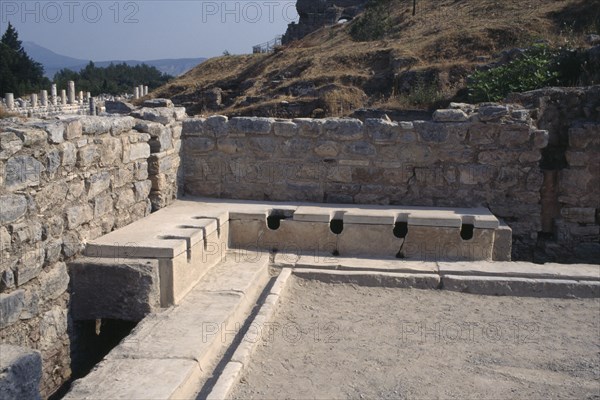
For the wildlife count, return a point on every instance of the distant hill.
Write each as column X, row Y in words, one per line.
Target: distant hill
column 385, row 58
column 53, row 62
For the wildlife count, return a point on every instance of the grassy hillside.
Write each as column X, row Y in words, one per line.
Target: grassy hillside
column 386, row 58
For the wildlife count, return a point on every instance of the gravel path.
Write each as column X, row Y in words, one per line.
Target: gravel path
column 341, row 341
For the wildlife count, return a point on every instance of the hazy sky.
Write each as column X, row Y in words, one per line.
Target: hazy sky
column 147, row 29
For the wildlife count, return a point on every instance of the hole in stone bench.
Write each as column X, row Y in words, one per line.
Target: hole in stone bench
column 466, row 231
column 214, row 218
column 188, row 243
column 401, row 229
column 336, row 226
column 275, row 216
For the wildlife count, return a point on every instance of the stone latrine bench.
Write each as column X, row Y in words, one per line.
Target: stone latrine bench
column 154, row 262
column 417, row 233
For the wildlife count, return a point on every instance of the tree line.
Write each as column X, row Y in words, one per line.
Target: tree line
column 114, row 79
column 21, row 75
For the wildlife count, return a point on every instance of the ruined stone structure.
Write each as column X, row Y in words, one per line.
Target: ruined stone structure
column 62, row 183
column 74, row 192
column 315, row 14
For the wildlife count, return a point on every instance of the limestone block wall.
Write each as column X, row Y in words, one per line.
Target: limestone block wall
column 486, row 156
column 571, row 167
column 64, row 182
column 579, row 190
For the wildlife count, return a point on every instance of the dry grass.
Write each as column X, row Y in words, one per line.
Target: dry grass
column 448, row 36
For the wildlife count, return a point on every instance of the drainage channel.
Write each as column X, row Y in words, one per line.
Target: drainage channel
column 226, row 356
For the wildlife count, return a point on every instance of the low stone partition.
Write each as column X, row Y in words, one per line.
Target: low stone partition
column 468, row 156
column 64, row 182
column 156, row 261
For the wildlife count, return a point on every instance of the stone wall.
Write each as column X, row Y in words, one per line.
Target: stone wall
column 63, row 182
column 578, row 226
column 466, row 157
column 571, row 167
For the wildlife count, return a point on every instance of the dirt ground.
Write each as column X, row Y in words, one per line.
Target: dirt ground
column 341, row 341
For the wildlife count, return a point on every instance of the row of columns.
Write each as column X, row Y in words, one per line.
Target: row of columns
column 66, row 96
column 140, row 91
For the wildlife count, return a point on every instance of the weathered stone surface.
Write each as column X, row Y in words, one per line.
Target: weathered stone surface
column 431, row 132
column 381, row 130
column 526, row 287
column 55, row 131
column 579, row 214
column 53, row 249
column 199, row 144
column 54, row 282
column 87, row 155
column 12, row 207
column 11, row 305
column 327, row 149
column 95, row 125
column 5, row 243
column 73, row 129
column 450, row 115
column 22, row 171
column 7, row 279
column 103, row 204
column 126, row 289
column 540, row 139
column 72, row 244
column 118, row 107
column 361, row 148
column 194, row 127
column 97, row 183
column 251, row 125
column 157, row 103
column 217, row 125
column 125, row 198
column 285, row 128
column 492, row 112
column 53, row 325
column 52, row 162
column 77, row 215
column 163, row 115
column 343, row 128
column 31, row 137
column 121, row 124
column 27, row 232
column 111, row 151
column 309, row 127
column 142, row 190
column 68, row 153
column 9, row 144
column 20, row 373
column 137, row 151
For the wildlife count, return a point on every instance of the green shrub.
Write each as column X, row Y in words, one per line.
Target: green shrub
column 374, row 23
column 536, row 68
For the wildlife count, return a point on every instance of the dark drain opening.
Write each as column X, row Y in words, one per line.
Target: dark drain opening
column 336, row 226
column 275, row 216
column 91, row 341
column 400, row 229
column 466, row 231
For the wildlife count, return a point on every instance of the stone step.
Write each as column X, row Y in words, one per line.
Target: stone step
column 168, row 353
column 512, row 269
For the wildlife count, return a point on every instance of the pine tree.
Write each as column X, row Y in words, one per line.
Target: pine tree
column 19, row 74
